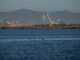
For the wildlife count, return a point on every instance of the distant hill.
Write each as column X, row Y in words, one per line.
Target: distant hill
column 25, row 16
column 67, row 17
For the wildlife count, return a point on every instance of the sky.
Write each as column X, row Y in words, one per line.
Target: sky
column 40, row 5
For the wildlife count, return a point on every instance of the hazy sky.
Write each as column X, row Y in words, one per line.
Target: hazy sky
column 40, row 5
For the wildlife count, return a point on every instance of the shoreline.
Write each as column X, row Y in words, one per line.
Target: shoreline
column 39, row 27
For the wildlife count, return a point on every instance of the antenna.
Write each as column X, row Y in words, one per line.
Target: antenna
column 51, row 22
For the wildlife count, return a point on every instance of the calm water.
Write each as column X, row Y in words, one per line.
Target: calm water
column 40, row 44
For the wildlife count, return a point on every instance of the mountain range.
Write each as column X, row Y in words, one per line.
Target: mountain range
column 29, row 17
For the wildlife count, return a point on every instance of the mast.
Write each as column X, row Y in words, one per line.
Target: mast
column 51, row 22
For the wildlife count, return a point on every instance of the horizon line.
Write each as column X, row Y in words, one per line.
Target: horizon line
column 38, row 11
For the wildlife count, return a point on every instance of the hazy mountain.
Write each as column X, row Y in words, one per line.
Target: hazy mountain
column 25, row 16
column 67, row 17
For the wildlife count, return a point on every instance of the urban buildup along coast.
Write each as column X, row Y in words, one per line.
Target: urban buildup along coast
column 46, row 21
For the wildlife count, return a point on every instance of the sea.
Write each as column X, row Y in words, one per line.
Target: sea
column 39, row 44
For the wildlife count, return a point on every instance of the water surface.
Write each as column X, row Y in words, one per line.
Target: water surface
column 39, row 44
